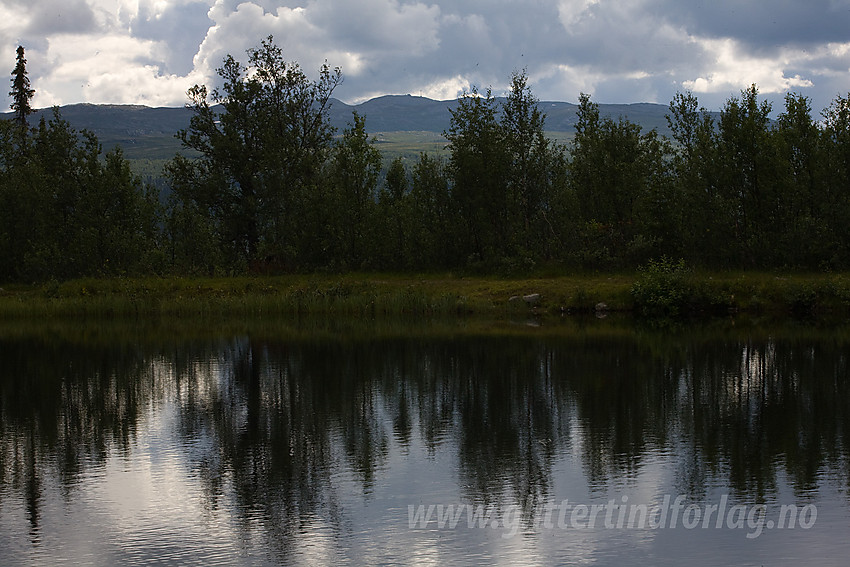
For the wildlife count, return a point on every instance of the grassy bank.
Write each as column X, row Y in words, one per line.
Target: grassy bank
column 376, row 295
column 352, row 294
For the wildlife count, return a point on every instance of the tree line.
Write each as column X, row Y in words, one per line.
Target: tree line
column 266, row 185
column 66, row 209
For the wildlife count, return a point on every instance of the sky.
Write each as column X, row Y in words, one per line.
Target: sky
column 619, row 51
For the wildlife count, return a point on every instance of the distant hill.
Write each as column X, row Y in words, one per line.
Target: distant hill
column 394, row 113
column 148, row 133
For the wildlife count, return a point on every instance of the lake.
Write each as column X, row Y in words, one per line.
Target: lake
column 575, row 442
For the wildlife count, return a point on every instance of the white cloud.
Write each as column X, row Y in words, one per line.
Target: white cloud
column 233, row 32
column 356, row 36
column 573, row 12
column 107, row 71
column 445, row 89
column 733, row 69
column 152, row 51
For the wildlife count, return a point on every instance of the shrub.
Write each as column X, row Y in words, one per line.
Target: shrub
column 662, row 288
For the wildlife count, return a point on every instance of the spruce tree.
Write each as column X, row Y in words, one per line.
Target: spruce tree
column 21, row 92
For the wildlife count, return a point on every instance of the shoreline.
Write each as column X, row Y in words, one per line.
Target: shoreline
column 368, row 294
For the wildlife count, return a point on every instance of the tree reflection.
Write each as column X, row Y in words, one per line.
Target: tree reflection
column 277, row 428
column 762, row 406
column 63, row 406
column 626, row 401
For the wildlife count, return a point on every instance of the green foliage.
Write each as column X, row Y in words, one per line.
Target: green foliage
column 478, row 169
column 262, row 145
column 619, row 176
column 266, row 187
column 392, row 214
column 832, row 194
column 432, row 220
column 503, row 178
column 703, row 231
column 353, row 177
column 530, row 157
column 67, row 211
column 662, row 288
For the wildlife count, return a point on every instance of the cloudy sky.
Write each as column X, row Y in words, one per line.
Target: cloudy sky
column 151, row 51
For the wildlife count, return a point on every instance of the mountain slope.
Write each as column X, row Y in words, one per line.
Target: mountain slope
column 149, row 133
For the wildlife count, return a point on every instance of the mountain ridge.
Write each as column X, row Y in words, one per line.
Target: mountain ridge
column 145, row 132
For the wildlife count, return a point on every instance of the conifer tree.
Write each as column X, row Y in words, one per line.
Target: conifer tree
column 21, row 92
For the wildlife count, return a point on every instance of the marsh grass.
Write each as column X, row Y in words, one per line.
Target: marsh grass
column 372, row 295
column 659, row 338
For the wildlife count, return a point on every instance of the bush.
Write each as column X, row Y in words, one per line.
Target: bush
column 663, row 288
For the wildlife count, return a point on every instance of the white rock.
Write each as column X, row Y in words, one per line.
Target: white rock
column 532, row 298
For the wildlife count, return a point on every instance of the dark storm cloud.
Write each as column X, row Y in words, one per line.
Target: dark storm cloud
column 759, row 24
column 59, row 16
column 485, row 45
column 377, row 25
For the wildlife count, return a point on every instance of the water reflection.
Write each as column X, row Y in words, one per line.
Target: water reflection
column 280, row 434
column 62, row 406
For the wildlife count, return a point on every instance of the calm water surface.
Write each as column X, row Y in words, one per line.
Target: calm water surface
column 581, row 443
